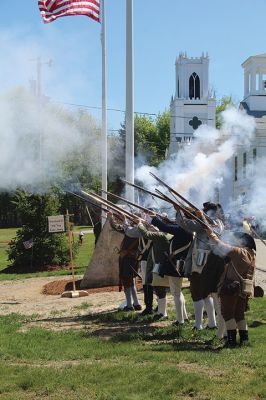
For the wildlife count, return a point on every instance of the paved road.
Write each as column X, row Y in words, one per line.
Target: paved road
column 261, row 254
column 261, row 265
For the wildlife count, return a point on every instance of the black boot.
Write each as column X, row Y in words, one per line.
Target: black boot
column 243, row 337
column 231, row 339
column 148, row 299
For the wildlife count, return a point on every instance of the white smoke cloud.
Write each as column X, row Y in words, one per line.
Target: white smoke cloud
column 199, row 169
column 36, row 138
column 254, row 204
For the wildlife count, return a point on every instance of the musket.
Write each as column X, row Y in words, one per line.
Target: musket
column 210, row 220
column 132, row 217
column 94, row 204
column 256, row 234
column 87, row 201
column 146, row 191
column 127, row 201
column 143, row 189
column 185, row 210
column 109, row 204
column 144, row 209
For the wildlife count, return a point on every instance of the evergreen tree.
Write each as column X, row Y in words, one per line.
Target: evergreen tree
column 48, row 249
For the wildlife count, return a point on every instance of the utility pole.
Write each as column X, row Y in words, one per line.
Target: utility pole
column 40, row 98
column 39, row 65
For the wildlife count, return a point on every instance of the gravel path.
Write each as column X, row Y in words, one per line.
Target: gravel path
column 25, row 296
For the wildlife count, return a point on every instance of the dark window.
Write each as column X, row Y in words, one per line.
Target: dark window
column 195, row 123
column 194, row 86
column 244, row 165
column 197, row 87
column 254, row 160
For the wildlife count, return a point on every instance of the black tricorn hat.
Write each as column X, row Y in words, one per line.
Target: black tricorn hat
column 258, row 291
column 246, row 240
column 209, row 206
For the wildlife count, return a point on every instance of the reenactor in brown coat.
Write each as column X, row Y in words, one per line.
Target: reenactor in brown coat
column 236, row 283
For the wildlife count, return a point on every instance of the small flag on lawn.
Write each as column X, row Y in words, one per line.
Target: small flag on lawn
column 53, row 9
column 28, row 244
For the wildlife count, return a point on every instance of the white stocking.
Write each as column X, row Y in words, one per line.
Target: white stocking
column 128, row 297
column 162, row 307
column 134, row 295
column 209, row 306
column 198, row 311
column 220, row 321
column 179, row 307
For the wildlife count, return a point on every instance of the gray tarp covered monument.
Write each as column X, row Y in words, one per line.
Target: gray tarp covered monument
column 103, row 267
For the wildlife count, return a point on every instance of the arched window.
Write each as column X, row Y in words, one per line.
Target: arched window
column 194, row 86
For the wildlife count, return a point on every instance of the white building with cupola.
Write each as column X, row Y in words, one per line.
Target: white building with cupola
column 243, row 164
column 192, row 104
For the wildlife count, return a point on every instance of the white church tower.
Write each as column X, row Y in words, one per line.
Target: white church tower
column 192, row 104
column 255, row 85
column 243, row 164
column 254, row 103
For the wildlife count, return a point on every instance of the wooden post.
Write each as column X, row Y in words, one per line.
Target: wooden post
column 70, row 249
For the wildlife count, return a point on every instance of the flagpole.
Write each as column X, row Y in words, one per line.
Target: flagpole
column 104, row 113
column 129, row 101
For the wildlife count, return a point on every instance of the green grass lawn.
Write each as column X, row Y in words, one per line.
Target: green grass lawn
column 84, row 254
column 137, row 364
column 138, row 361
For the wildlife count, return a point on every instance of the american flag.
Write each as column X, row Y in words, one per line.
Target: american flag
column 28, row 244
column 53, row 9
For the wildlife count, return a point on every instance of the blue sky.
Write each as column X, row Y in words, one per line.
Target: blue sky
column 230, row 31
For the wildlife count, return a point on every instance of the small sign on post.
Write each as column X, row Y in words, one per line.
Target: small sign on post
column 56, row 224
column 59, row 222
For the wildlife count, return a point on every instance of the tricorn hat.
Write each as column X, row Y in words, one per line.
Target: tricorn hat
column 209, row 206
column 246, row 240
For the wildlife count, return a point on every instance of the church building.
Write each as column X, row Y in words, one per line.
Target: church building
column 192, row 104
column 254, row 103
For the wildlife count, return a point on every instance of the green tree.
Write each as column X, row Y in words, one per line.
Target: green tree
column 48, row 249
column 163, row 135
column 225, row 102
column 152, row 136
column 8, row 212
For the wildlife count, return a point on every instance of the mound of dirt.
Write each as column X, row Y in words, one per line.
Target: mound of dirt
column 60, row 286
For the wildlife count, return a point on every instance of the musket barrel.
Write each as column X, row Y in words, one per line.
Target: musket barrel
column 146, row 210
column 256, row 234
column 109, row 204
column 93, row 204
column 130, row 216
column 143, row 189
column 126, row 201
column 183, row 209
column 180, row 196
column 88, row 201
